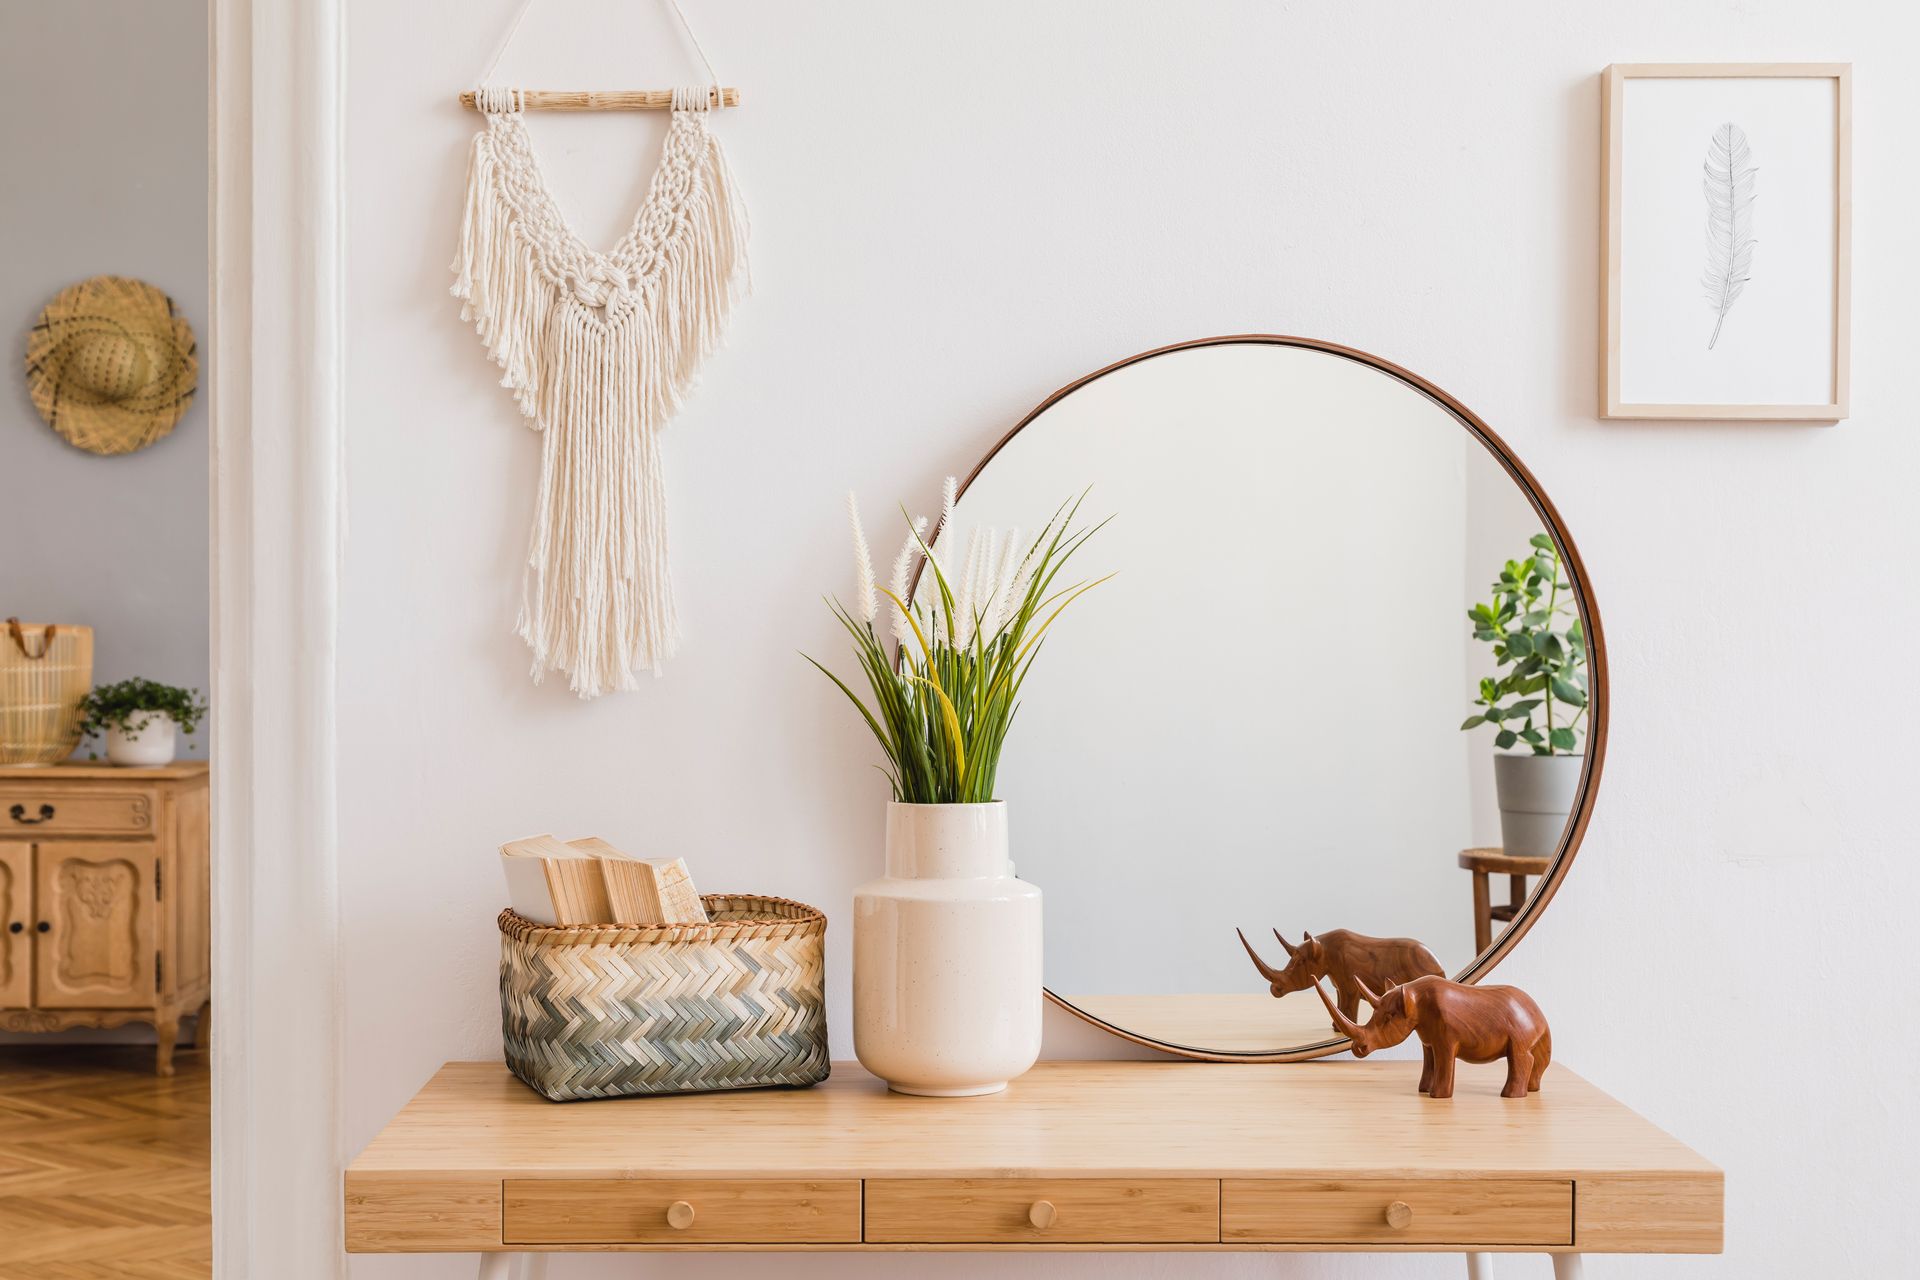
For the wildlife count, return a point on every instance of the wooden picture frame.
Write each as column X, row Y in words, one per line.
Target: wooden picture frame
column 1617, row 355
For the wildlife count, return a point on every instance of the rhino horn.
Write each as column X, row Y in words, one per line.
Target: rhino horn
column 1348, row 1027
column 1267, row 971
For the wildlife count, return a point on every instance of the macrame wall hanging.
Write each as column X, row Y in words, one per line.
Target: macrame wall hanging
column 599, row 349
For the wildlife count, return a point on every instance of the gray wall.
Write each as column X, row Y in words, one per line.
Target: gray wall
column 103, row 138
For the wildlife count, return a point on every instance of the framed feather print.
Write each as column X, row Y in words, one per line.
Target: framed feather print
column 1725, row 199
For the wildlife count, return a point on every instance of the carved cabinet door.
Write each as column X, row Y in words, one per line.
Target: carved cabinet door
column 16, row 924
column 94, row 933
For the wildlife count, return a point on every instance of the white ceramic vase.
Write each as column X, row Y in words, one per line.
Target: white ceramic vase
column 147, row 742
column 946, row 955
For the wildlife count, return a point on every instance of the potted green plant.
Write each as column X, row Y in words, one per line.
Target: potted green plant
column 141, row 719
column 1538, row 700
column 946, row 945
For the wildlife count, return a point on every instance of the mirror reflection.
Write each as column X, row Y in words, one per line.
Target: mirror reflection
column 1339, row 642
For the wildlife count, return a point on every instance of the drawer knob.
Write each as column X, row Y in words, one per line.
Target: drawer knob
column 1042, row 1214
column 1399, row 1214
column 19, row 814
column 679, row 1215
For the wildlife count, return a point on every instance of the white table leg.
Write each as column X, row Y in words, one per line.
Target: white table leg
column 496, row 1266
column 1479, row 1266
column 1566, row 1266
column 513, row 1266
column 533, row 1266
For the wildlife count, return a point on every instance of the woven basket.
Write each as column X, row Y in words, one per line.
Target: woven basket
column 610, row 1011
column 44, row 672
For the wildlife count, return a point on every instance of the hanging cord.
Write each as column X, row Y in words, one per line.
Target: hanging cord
column 719, row 98
column 500, row 50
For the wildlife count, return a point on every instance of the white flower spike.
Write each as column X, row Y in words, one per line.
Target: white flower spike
column 903, row 577
column 869, row 599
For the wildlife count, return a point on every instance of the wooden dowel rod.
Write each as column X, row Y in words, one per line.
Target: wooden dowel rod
column 603, row 99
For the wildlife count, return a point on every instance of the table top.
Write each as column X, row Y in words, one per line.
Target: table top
column 1117, row 1119
column 89, row 770
column 1501, row 863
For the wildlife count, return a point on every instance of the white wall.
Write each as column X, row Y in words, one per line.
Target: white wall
column 958, row 209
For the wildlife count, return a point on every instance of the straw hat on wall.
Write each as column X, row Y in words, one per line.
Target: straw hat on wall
column 110, row 366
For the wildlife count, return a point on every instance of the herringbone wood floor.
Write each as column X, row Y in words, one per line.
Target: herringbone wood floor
column 103, row 1165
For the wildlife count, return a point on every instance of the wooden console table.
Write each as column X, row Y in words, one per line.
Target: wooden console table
column 103, row 898
column 1073, row 1156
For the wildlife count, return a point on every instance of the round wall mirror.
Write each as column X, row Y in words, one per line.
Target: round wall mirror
column 1342, row 709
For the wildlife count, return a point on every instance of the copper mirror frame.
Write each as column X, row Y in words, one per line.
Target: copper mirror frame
column 1597, row 694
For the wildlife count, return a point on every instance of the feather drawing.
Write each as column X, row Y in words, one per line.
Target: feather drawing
column 1729, row 186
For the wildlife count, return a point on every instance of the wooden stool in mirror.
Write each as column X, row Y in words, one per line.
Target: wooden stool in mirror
column 1495, row 862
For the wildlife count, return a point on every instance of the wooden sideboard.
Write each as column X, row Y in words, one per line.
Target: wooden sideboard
column 103, row 898
column 1074, row 1155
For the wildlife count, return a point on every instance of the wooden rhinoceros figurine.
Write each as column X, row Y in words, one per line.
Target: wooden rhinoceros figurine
column 1351, row 961
column 1455, row 1021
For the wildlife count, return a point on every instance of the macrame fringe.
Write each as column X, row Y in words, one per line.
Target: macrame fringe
column 601, row 383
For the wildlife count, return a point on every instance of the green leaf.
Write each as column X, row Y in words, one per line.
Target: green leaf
column 1563, row 740
column 1520, row 644
column 1569, row 693
column 1505, row 738
column 1473, row 722
column 1541, row 541
column 1532, row 735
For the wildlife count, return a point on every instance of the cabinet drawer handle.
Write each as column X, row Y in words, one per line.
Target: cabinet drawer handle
column 16, row 927
column 44, row 927
column 1399, row 1214
column 679, row 1215
column 1042, row 1214
column 19, row 814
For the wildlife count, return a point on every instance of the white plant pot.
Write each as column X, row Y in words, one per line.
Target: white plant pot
column 1536, row 795
column 946, row 956
column 147, row 741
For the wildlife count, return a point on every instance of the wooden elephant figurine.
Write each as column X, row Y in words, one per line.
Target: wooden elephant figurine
column 1455, row 1021
column 1351, row 961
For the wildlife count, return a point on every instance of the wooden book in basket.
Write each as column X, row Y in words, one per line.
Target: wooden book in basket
column 644, row 890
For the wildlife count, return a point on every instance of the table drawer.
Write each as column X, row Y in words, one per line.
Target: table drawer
column 1042, row 1211
column 28, row 812
column 1529, row 1211
column 679, row 1211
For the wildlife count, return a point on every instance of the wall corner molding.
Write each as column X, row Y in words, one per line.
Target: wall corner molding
column 277, row 389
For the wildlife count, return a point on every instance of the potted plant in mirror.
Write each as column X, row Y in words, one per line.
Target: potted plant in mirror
column 1537, row 701
column 141, row 719
column 946, row 945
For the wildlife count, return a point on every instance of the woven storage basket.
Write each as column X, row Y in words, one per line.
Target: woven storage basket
column 44, row 672
column 609, row 1011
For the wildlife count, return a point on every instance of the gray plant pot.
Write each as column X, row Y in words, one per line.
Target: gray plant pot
column 1536, row 795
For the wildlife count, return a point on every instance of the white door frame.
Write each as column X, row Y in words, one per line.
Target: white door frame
column 276, row 380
